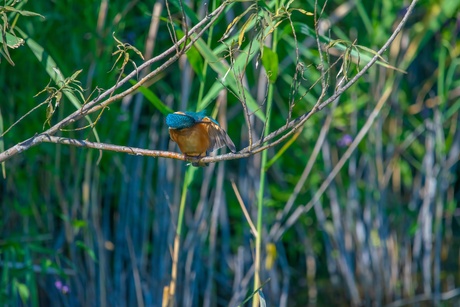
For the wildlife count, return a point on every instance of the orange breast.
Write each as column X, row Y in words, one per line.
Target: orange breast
column 193, row 141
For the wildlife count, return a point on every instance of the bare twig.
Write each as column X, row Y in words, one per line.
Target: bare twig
column 362, row 133
column 243, row 208
column 99, row 103
column 306, row 172
column 286, row 131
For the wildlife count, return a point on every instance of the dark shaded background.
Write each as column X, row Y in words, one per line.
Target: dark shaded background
column 83, row 228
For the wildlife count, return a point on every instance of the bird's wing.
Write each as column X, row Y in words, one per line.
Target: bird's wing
column 219, row 138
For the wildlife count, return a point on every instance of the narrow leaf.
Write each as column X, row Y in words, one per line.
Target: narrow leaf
column 270, row 63
column 222, row 69
column 53, row 71
column 153, row 98
column 244, row 27
column 306, row 13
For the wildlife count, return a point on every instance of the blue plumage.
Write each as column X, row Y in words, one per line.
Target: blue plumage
column 178, row 121
column 181, row 120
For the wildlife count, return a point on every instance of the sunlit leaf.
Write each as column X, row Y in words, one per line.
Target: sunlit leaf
column 12, row 41
column 49, row 114
column 23, row 291
column 244, row 28
column 306, row 13
column 270, row 63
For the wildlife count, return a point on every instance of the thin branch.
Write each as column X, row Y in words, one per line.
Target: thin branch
column 291, row 127
column 298, row 122
column 243, row 208
column 96, row 103
column 110, row 147
column 362, row 133
column 306, row 172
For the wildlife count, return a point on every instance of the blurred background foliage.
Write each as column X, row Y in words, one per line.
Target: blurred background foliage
column 84, row 228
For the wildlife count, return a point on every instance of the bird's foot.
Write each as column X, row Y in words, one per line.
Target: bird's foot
column 196, row 160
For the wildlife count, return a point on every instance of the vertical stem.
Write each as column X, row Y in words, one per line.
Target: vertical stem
column 169, row 300
column 260, row 196
column 205, row 64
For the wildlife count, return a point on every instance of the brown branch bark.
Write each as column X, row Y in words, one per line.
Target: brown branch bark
column 99, row 102
column 263, row 144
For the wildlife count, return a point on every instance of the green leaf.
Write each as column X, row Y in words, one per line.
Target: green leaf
column 88, row 250
column 4, row 48
column 153, row 99
column 12, row 41
column 53, row 71
column 259, row 290
column 196, row 61
column 235, row 20
column 248, row 24
column 223, row 70
column 306, row 13
column 21, row 12
column 23, row 290
column 78, row 224
column 270, row 63
column 189, row 175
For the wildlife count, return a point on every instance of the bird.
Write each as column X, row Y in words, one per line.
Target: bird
column 197, row 134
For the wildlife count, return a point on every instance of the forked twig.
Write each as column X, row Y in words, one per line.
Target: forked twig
column 273, row 139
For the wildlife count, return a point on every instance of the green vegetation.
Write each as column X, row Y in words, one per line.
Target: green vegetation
column 344, row 191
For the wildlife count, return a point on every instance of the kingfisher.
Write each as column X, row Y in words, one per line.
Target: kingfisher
column 197, row 134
